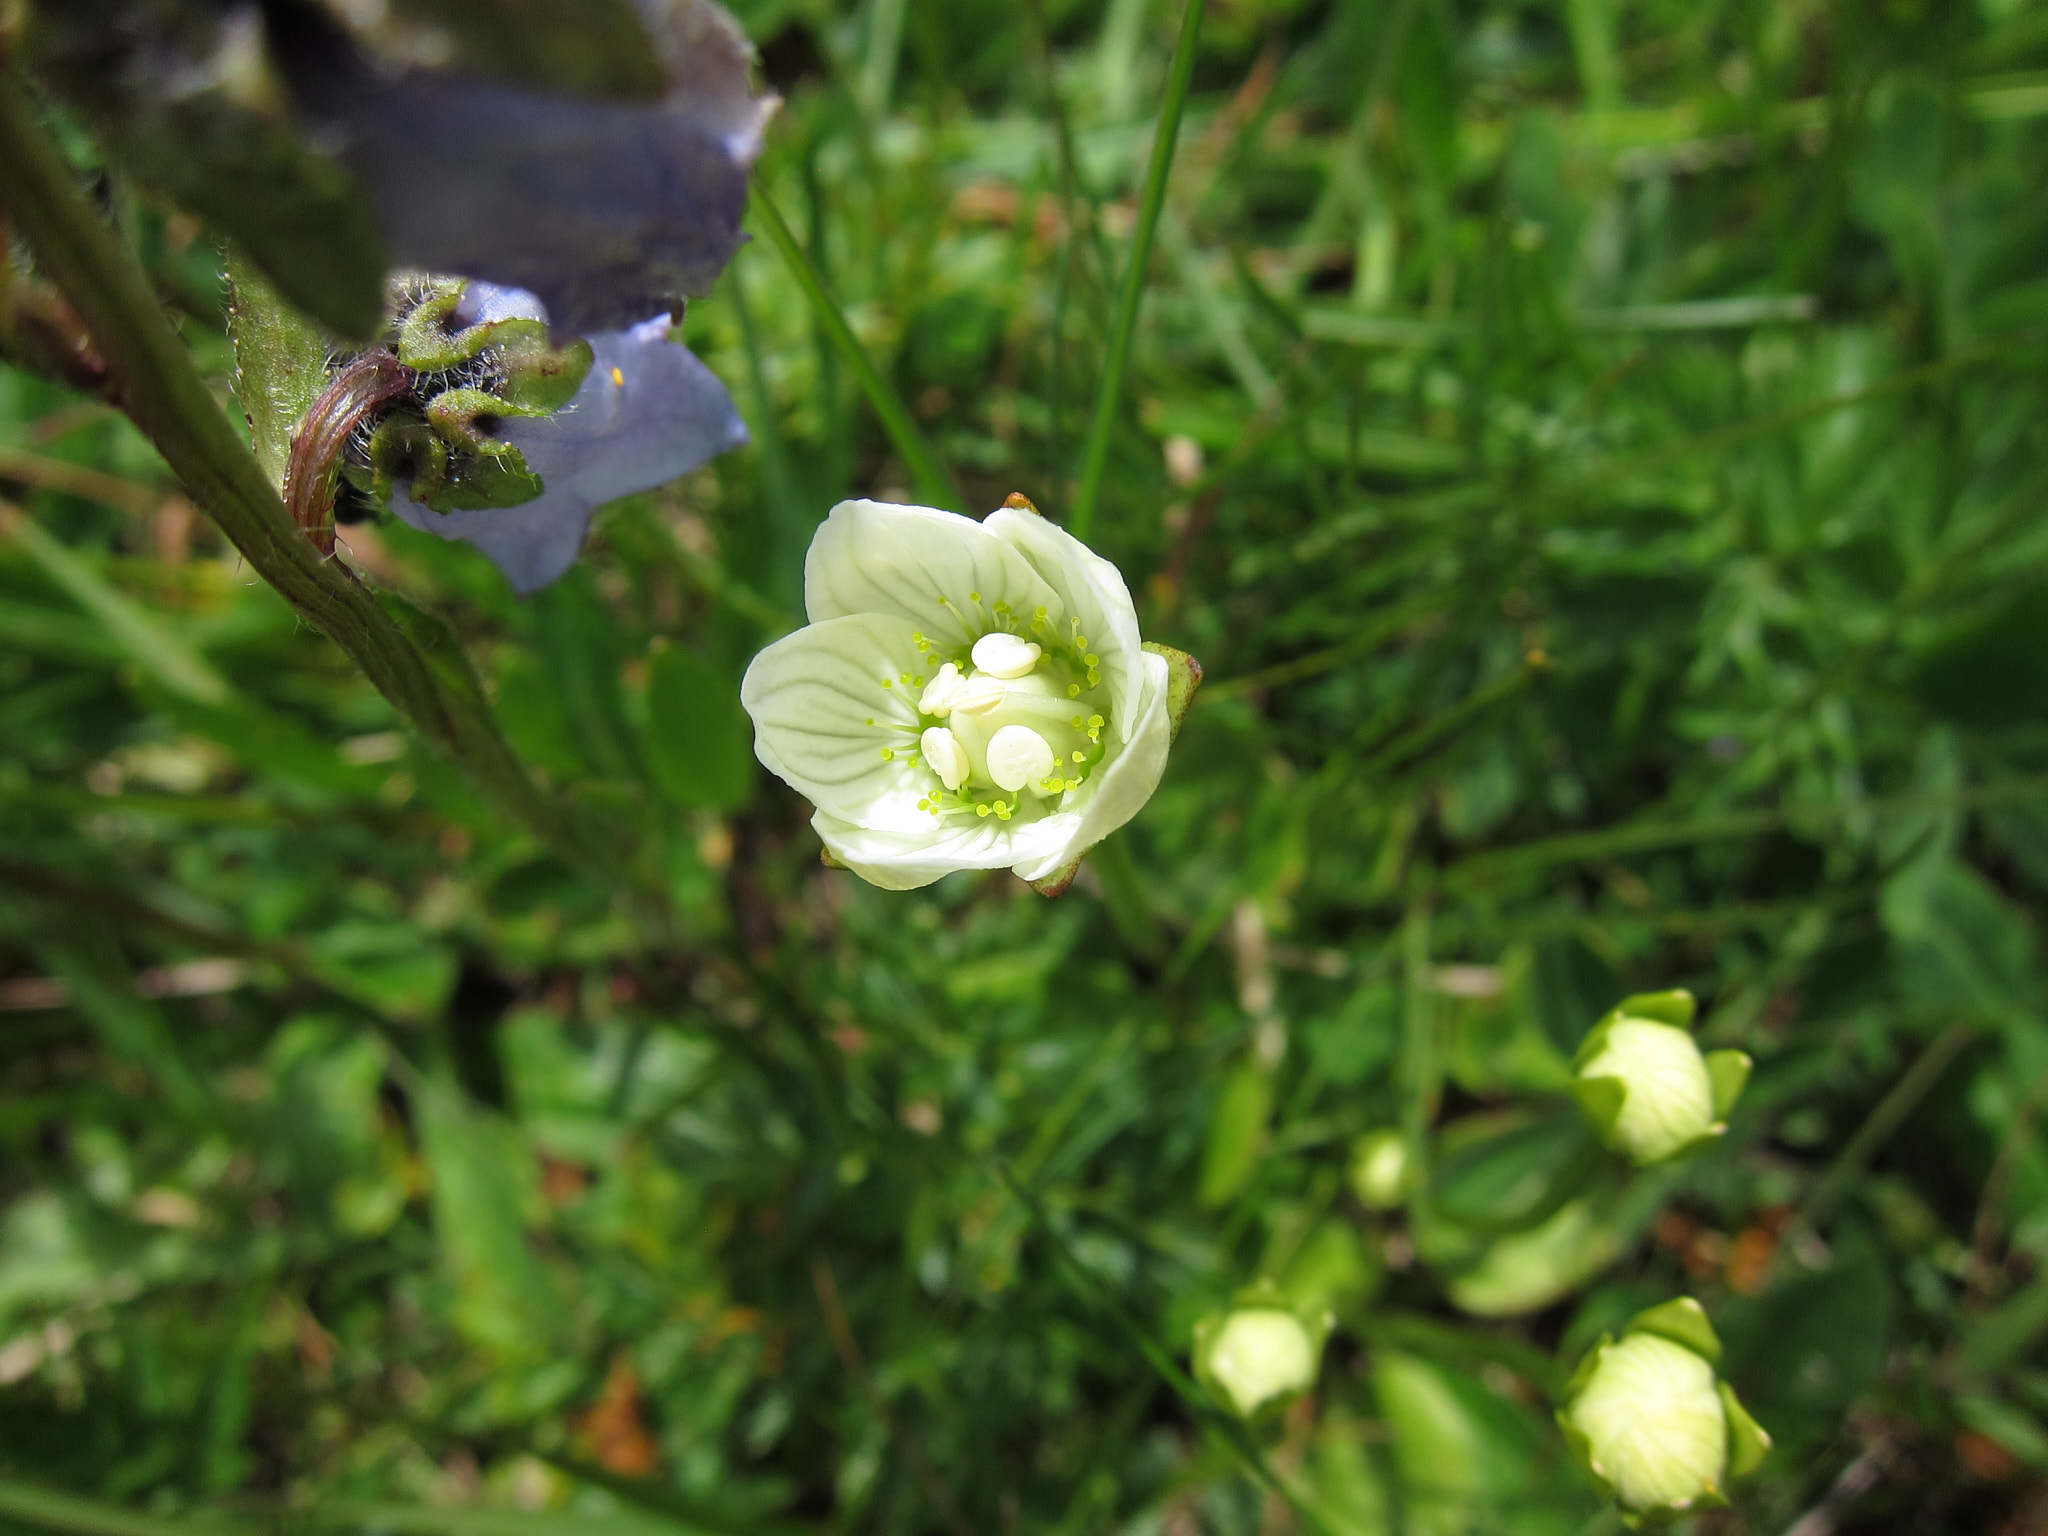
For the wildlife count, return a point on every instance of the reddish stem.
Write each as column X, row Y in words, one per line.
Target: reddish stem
column 362, row 388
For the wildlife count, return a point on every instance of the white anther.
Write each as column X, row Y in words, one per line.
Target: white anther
column 940, row 692
column 1018, row 755
column 1005, row 655
column 979, row 694
column 948, row 759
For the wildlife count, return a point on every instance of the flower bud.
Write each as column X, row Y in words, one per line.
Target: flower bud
column 1379, row 1169
column 1648, row 1420
column 1261, row 1350
column 1645, row 1085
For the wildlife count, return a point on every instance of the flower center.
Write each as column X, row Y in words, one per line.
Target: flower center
column 1013, row 722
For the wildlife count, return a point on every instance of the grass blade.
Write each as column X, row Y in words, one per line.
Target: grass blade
column 932, row 480
column 1150, row 203
column 53, row 1511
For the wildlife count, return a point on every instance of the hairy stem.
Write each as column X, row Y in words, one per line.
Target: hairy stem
column 356, row 394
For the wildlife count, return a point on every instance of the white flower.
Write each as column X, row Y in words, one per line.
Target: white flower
column 1653, row 1423
column 967, row 695
column 1258, row 1356
column 1667, row 1099
column 1262, row 1349
column 1649, row 1088
column 1379, row 1170
column 1647, row 1417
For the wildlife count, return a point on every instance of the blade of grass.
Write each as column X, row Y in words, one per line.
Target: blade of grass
column 932, row 480
column 54, row 1511
column 154, row 649
column 1151, row 202
column 1647, row 836
column 47, row 474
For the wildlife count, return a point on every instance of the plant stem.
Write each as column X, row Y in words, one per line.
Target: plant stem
column 1150, row 202
column 933, row 481
column 409, row 655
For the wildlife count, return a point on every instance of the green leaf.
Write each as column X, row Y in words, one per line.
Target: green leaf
column 1512, row 1169
column 697, row 740
column 1729, row 1073
column 1683, row 1321
column 1748, row 1442
column 1435, row 1440
column 481, row 1175
column 1528, row 1271
column 1237, row 1133
column 280, row 363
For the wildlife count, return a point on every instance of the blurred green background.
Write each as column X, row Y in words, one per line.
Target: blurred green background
column 1596, row 448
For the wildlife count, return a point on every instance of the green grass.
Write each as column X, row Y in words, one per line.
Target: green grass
column 1596, row 451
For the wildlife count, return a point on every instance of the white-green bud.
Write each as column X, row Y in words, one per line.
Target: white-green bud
column 1648, row 1419
column 1645, row 1083
column 1260, row 1351
column 1379, row 1169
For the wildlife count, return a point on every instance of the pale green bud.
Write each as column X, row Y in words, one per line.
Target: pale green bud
column 1379, row 1169
column 1259, row 1351
column 1647, row 1086
column 1653, row 1424
column 1648, row 1419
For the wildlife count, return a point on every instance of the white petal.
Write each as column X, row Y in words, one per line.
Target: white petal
column 1094, row 591
column 945, row 756
column 812, row 695
column 903, row 861
column 1018, row 755
column 870, row 557
column 1121, row 784
column 1005, row 655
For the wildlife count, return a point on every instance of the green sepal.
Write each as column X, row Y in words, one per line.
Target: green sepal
column 1729, row 1073
column 406, row 448
column 1184, row 676
column 1680, row 1153
column 515, row 357
column 425, row 344
column 1677, row 1006
column 1682, row 1321
column 281, row 361
column 539, row 377
column 1056, row 883
column 1582, row 1373
column 1748, row 1441
column 1581, row 1450
column 1601, row 1098
column 455, row 414
column 490, row 482
column 1596, row 1039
